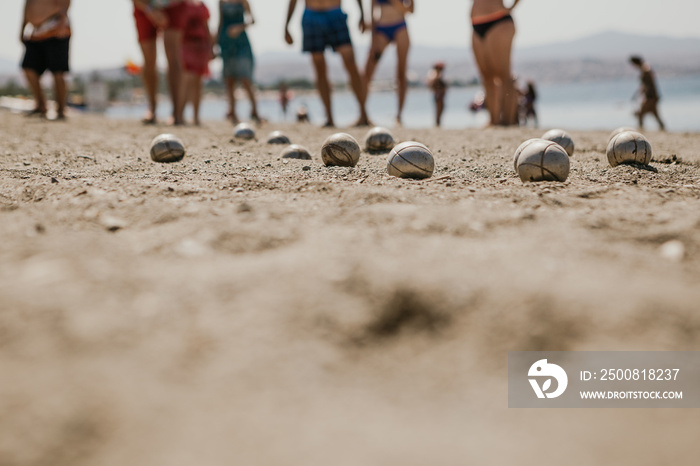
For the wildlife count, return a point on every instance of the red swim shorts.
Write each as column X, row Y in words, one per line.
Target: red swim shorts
column 177, row 14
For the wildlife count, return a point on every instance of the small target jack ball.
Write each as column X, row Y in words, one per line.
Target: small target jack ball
column 562, row 138
column 278, row 137
column 410, row 159
column 296, row 151
column 542, row 160
column 244, row 131
column 167, row 148
column 379, row 139
column 341, row 150
column 629, row 147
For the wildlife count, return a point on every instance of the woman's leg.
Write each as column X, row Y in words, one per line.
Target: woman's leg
column 403, row 43
column 231, row 94
column 491, row 99
column 248, row 86
column 498, row 43
column 379, row 43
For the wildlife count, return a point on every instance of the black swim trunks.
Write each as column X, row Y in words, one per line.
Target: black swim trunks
column 48, row 54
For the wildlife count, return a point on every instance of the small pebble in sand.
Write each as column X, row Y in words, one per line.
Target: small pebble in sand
column 673, row 250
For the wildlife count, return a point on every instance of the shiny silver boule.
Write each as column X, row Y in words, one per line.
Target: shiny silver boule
column 278, row 137
column 379, row 139
column 629, row 147
column 244, row 131
column 167, row 148
column 410, row 159
column 543, row 160
column 340, row 150
column 296, row 151
column 562, row 138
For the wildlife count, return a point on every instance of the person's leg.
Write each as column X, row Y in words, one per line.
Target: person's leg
column 379, row 43
column 249, row 89
column 655, row 111
column 483, row 62
column 348, row 55
column 150, row 77
column 403, row 43
column 172, row 40
column 439, row 108
column 34, row 81
column 322, row 84
column 231, row 94
column 61, row 94
column 498, row 42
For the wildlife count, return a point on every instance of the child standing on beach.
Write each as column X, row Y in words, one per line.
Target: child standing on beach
column 325, row 25
column 437, row 83
column 196, row 53
column 234, row 17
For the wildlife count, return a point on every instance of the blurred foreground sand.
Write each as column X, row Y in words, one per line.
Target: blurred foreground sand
column 236, row 308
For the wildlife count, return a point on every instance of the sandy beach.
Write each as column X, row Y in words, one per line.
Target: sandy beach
column 237, row 308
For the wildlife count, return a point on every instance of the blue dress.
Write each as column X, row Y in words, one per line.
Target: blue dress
column 235, row 52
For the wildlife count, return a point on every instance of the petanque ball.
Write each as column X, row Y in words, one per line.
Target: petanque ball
column 166, row 148
column 522, row 147
column 629, row 147
column 278, row 137
column 622, row 129
column 410, row 159
column 379, row 139
column 296, row 151
column 244, row 131
column 340, row 150
column 562, row 138
column 542, row 160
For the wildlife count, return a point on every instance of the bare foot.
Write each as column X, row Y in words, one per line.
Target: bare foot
column 329, row 124
column 149, row 119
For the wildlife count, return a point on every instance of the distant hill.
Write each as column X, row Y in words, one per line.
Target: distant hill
column 616, row 45
column 598, row 56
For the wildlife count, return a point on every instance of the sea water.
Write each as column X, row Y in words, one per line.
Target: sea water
column 602, row 105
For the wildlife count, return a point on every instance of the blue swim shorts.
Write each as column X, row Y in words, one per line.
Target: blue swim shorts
column 323, row 29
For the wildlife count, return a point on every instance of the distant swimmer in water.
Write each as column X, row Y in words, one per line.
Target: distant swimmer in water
column 649, row 92
column 388, row 26
column 492, row 41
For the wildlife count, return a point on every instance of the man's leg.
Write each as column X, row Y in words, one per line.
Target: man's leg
column 322, row 84
column 348, row 55
column 61, row 94
column 172, row 40
column 150, row 77
column 34, row 81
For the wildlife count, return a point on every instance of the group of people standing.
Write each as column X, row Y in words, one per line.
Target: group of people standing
column 189, row 47
column 324, row 25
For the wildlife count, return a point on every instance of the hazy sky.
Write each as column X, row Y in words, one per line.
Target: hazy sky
column 104, row 33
